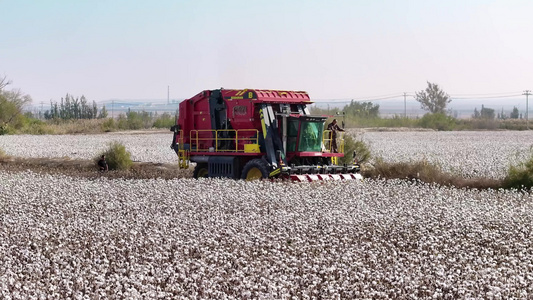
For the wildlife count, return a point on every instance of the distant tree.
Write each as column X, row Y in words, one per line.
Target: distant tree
column 501, row 115
column 455, row 114
column 55, row 109
column 433, row 99
column 133, row 120
column 485, row 113
column 94, row 112
column 476, row 114
column 515, row 114
column 72, row 108
column 12, row 103
column 103, row 113
column 362, row 109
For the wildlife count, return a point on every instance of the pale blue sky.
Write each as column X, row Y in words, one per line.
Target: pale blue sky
column 332, row 49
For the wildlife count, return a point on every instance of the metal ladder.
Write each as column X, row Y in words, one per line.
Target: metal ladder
column 183, row 158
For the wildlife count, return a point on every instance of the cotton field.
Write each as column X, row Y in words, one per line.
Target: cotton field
column 79, row 238
column 146, row 147
column 470, row 154
column 467, row 153
column 63, row 237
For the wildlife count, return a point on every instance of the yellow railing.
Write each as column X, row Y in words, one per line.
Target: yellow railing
column 327, row 141
column 213, row 141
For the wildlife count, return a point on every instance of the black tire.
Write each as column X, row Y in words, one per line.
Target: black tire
column 200, row 171
column 254, row 170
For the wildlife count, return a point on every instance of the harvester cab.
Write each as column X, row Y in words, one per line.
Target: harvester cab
column 253, row 134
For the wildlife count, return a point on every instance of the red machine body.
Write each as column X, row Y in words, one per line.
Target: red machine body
column 242, row 109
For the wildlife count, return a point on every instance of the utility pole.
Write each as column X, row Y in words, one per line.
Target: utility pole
column 112, row 109
column 41, row 111
column 527, row 93
column 404, row 105
column 168, row 94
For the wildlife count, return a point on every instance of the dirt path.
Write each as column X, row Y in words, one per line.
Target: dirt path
column 147, row 170
column 88, row 169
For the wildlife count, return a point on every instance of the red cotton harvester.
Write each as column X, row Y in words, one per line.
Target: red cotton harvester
column 253, row 134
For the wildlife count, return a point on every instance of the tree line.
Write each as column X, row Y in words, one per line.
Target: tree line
column 71, row 108
column 432, row 99
column 490, row 114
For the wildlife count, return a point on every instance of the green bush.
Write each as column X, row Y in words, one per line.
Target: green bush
column 521, row 175
column 134, row 120
column 513, row 124
column 362, row 151
column 350, row 145
column 117, row 157
column 36, row 127
column 139, row 120
column 477, row 124
column 428, row 172
column 164, row 121
column 395, row 121
column 437, row 121
column 12, row 103
column 6, row 129
column 424, row 170
column 122, row 122
column 109, row 125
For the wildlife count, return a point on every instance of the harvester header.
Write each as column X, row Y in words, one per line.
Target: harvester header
column 253, row 134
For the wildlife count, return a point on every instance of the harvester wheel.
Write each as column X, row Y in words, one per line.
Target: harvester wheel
column 254, row 170
column 200, row 171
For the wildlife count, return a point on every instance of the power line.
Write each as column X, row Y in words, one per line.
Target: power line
column 454, row 97
column 378, row 97
column 346, row 100
column 486, row 94
column 400, row 95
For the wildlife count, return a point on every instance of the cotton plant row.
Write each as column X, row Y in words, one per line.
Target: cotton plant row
column 63, row 237
column 470, row 154
column 143, row 147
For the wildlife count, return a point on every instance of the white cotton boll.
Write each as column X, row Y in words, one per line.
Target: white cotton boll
column 149, row 147
column 465, row 153
column 150, row 238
